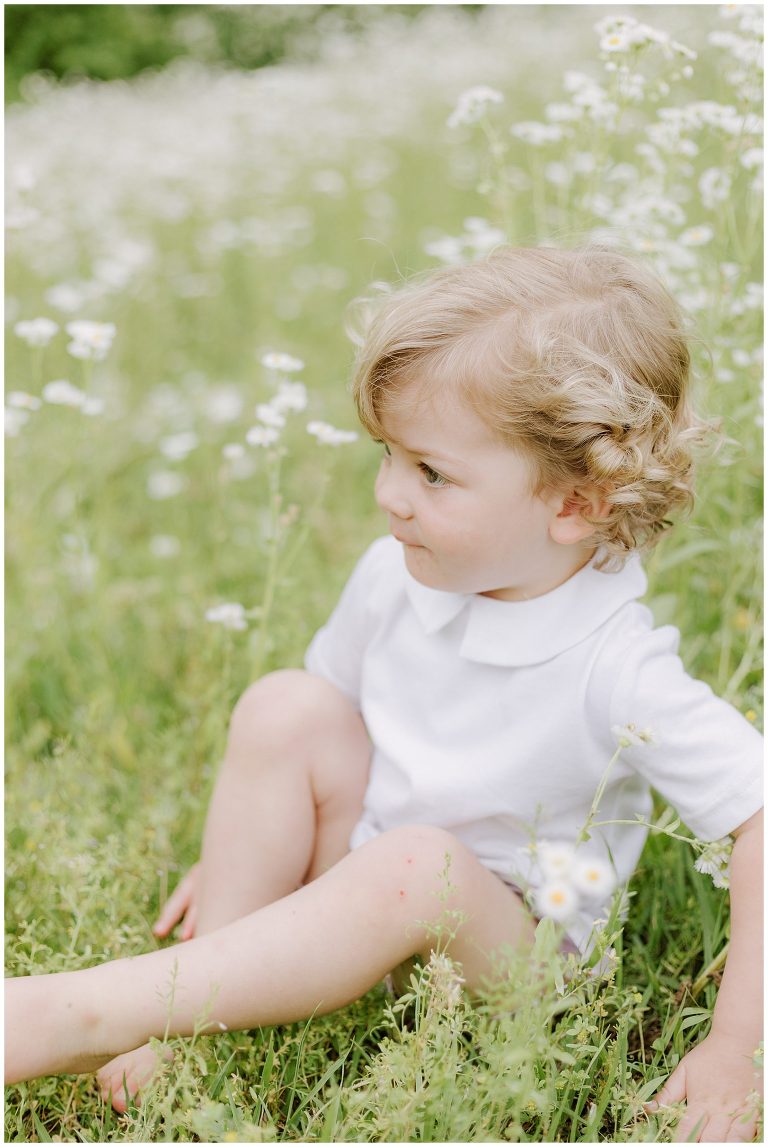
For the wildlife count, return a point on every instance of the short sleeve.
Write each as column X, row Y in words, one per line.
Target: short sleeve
column 704, row 758
column 336, row 651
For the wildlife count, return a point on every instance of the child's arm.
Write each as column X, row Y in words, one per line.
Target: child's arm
column 716, row 1077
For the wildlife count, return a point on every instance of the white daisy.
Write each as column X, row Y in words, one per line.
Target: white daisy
column 276, row 360
column 262, row 436
column 556, row 858
column 36, row 332
column 593, row 877
column 266, row 413
column 329, row 435
column 556, row 899
column 230, row 614
column 61, row 392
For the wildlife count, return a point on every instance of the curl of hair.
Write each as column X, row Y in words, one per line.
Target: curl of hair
column 577, row 358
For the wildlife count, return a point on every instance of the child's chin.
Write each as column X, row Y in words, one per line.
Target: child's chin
column 422, row 568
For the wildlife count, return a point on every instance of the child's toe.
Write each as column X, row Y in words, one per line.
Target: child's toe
column 122, row 1079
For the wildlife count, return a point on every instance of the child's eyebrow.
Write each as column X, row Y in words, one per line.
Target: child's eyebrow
column 443, row 459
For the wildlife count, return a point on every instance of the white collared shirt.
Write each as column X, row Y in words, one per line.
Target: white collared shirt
column 496, row 719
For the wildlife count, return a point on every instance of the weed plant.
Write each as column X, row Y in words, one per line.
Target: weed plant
column 216, row 218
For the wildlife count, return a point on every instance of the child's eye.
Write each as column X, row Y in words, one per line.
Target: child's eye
column 431, row 477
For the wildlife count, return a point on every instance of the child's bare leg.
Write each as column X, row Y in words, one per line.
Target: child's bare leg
column 288, row 794
column 313, row 951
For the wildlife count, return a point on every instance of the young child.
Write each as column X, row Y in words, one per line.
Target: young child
column 464, row 697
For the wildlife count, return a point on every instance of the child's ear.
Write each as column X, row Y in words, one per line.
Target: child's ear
column 576, row 513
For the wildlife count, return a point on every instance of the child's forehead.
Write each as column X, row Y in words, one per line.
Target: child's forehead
column 423, row 420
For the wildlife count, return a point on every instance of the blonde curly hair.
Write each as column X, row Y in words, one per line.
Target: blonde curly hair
column 577, row 358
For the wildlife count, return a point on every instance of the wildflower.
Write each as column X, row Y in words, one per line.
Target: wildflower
column 178, row 446
column 223, row 404
column 92, row 407
column 715, row 860
column 162, row 484
column 537, row 133
column 90, row 340
column 329, row 435
column 593, row 877
column 480, row 235
column 556, row 899
column 619, row 41
column 36, row 332
column 562, row 113
column 164, row 545
column 20, row 400
column 752, row 158
column 275, row 360
column 14, row 420
column 445, row 982
column 556, row 858
column 267, row 414
column 472, row 103
column 447, row 249
column 67, row 297
column 61, row 392
column 232, row 451
column 627, row 735
column 558, row 174
column 291, row 396
column 697, row 236
column 714, row 186
column 230, row 614
column 262, row 436
column 609, row 25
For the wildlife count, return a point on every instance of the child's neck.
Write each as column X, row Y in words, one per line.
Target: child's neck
column 555, row 576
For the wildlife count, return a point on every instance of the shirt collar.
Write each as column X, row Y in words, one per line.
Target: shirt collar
column 516, row 633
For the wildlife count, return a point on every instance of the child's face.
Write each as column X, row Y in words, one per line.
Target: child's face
column 460, row 501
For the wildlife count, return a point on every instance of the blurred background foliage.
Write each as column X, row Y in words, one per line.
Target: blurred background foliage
column 116, row 41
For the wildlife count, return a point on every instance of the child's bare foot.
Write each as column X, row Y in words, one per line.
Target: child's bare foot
column 129, row 1073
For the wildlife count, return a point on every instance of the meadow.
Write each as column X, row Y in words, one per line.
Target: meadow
column 203, row 233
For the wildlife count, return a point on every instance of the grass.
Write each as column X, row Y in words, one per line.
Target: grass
column 119, row 691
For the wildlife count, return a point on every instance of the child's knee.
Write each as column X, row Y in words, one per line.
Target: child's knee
column 290, row 709
column 423, row 860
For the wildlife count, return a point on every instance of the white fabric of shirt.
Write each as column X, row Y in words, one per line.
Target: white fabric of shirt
column 493, row 719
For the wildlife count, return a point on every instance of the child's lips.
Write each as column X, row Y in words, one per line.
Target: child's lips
column 405, row 542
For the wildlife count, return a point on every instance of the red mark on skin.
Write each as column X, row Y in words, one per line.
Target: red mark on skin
column 409, row 860
column 402, row 892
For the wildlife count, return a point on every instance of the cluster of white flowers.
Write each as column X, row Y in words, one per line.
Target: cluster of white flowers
column 539, row 133
column 176, row 447
column 36, row 332
column 59, row 392
column 329, row 435
column 281, row 362
column 478, row 238
column 569, row 879
column 90, row 340
column 471, row 105
column 290, row 398
column 625, row 33
column 715, row 860
column 230, row 614
column 164, row 484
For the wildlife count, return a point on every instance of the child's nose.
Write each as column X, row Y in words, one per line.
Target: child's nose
column 390, row 494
